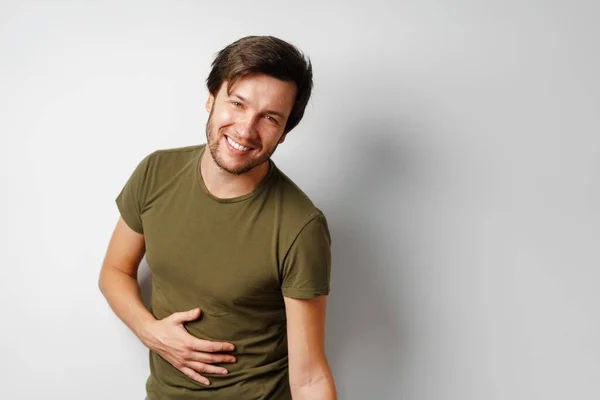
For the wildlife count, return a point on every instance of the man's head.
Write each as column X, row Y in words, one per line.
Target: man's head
column 264, row 55
column 259, row 88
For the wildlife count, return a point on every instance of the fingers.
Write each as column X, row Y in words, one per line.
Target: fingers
column 211, row 347
column 190, row 373
column 206, row 368
column 211, row 358
column 189, row 354
column 185, row 316
column 193, row 368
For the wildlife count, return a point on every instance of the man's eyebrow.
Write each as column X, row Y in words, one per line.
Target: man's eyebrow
column 268, row 112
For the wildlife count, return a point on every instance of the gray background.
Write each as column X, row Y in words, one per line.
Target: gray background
column 453, row 146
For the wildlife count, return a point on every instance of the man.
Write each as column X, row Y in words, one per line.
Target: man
column 240, row 257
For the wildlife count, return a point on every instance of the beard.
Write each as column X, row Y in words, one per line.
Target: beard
column 213, row 141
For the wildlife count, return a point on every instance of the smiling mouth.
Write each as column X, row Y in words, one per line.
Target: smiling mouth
column 236, row 145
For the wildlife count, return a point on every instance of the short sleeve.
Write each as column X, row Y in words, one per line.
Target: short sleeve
column 130, row 201
column 307, row 266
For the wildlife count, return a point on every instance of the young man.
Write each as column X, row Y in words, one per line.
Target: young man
column 240, row 257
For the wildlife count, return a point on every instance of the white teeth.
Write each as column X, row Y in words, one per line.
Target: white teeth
column 236, row 145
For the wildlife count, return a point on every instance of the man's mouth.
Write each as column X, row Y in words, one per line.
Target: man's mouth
column 236, row 145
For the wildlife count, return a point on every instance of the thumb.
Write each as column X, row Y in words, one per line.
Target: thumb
column 188, row 315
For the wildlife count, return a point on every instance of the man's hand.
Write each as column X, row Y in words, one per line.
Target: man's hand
column 169, row 338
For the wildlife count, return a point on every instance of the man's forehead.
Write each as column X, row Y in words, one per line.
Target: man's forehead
column 263, row 91
column 260, row 82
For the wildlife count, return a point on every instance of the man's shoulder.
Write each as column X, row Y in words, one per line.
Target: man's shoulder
column 297, row 206
column 297, row 214
column 162, row 165
column 175, row 157
column 175, row 153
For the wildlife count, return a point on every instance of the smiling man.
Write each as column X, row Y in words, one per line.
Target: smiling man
column 240, row 256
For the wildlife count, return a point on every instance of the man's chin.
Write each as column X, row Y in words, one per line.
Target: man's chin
column 234, row 169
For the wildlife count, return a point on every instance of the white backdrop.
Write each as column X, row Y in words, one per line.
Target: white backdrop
column 453, row 146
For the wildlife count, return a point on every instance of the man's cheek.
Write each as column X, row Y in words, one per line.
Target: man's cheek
column 226, row 116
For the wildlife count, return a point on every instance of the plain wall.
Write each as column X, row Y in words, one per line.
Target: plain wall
column 453, row 146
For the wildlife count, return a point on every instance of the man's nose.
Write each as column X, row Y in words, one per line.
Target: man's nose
column 247, row 126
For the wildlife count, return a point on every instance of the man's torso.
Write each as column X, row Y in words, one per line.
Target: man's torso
column 224, row 256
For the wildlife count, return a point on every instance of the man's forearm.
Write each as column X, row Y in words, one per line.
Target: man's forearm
column 315, row 385
column 123, row 295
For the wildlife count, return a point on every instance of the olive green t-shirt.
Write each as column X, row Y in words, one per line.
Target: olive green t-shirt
column 233, row 258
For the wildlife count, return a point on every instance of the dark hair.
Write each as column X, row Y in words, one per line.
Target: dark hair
column 270, row 56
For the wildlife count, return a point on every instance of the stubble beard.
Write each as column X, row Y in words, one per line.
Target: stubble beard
column 213, row 146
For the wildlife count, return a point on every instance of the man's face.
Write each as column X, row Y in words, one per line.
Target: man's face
column 245, row 127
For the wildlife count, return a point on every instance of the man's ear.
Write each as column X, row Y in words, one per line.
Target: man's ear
column 209, row 102
column 282, row 138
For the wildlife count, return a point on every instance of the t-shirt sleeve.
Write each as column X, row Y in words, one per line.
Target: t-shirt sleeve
column 307, row 265
column 131, row 199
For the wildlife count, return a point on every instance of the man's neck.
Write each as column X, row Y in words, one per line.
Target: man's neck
column 225, row 185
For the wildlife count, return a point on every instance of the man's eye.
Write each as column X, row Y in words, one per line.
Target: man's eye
column 236, row 104
column 271, row 119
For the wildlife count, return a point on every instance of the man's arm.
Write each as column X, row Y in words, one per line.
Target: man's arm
column 310, row 375
column 167, row 337
column 118, row 278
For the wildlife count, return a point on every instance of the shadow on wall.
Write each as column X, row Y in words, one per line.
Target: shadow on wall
column 369, row 307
